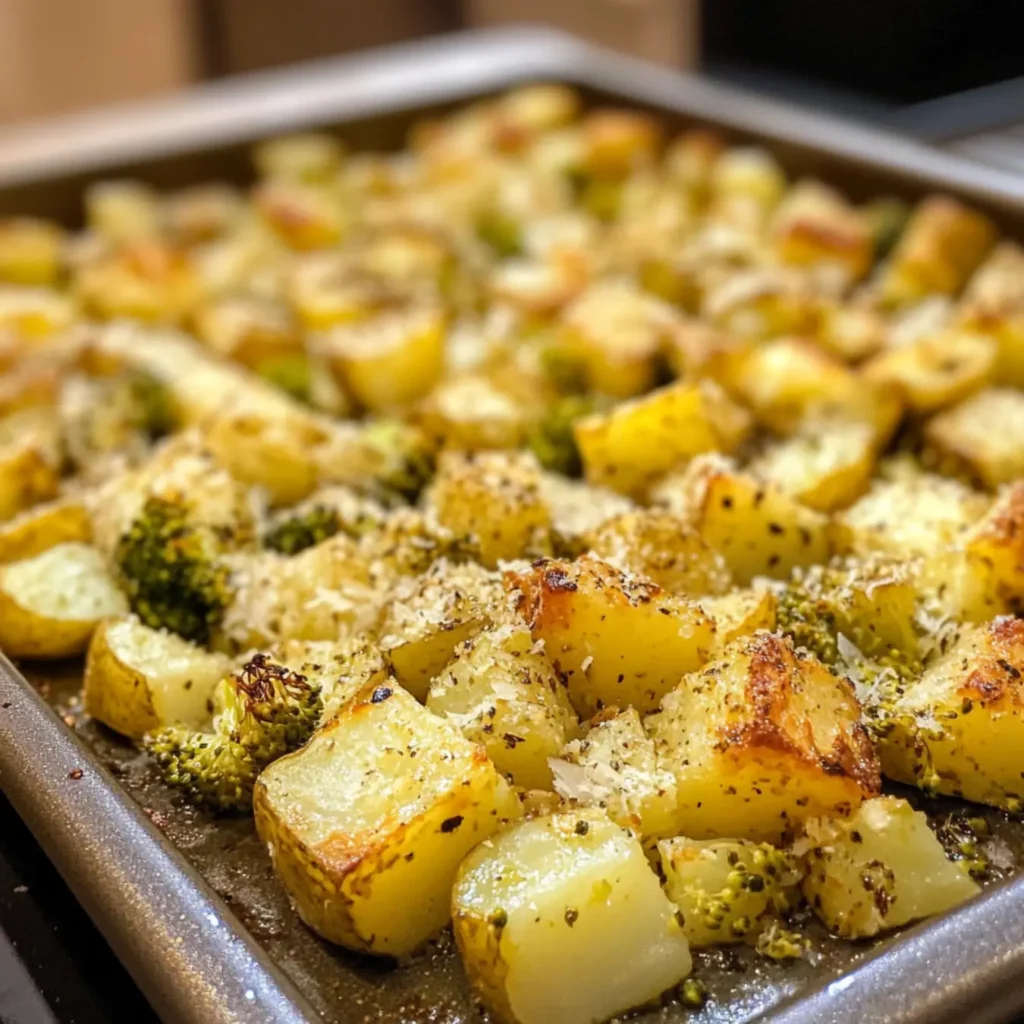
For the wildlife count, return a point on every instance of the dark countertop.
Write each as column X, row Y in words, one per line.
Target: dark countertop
column 54, row 965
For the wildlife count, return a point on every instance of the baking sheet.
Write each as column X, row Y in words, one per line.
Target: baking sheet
column 231, row 949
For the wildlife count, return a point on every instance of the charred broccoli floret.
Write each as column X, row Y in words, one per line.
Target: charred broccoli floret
column 266, row 711
column 552, row 439
column 172, row 572
column 406, row 462
column 303, row 530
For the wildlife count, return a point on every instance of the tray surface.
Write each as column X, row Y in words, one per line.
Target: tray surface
column 966, row 960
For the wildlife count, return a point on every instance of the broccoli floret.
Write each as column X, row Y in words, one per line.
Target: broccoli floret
column 290, row 373
column 154, row 404
column 406, row 462
column 805, row 617
column 552, row 439
column 501, row 232
column 266, row 711
column 172, row 573
column 212, row 770
column 303, row 530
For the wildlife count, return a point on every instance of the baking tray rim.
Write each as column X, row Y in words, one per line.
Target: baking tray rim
column 183, row 946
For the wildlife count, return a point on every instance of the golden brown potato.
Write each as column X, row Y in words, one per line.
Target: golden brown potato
column 635, row 443
column 760, row 740
column 377, row 811
column 426, row 617
column 981, row 437
column 757, row 528
column 139, row 679
column 826, row 467
column 740, row 613
column 51, row 603
column 878, row 869
column 959, row 730
column 815, row 226
column 791, row 384
column 494, row 499
column 63, row 521
column 309, row 156
column 616, row 332
column 30, row 251
column 614, row 767
column 662, row 547
column 29, row 460
column 935, row 371
column 504, row 695
column 939, row 249
column 616, row 639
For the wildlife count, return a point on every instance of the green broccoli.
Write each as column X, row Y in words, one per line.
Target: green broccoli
column 552, row 439
column 806, row 618
column 406, row 461
column 172, row 572
column 303, row 530
column 501, row 231
column 266, row 711
column 153, row 403
column 291, row 373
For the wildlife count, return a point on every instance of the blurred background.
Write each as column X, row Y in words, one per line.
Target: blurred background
column 876, row 58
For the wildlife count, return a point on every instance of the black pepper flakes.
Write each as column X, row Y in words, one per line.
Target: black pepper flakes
column 381, row 694
column 451, row 824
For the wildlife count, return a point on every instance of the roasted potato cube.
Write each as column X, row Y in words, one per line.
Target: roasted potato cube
column 757, row 528
column 993, row 304
column 746, row 185
column 122, row 211
column 616, row 332
column 322, row 593
column 309, row 156
column 914, row 514
column 629, row 447
column 504, row 695
column 274, row 444
column 584, row 611
column 790, row 384
column 148, row 280
column 35, row 314
column 51, row 603
column 727, row 890
column 986, row 566
column 762, row 302
column 740, row 613
column 30, row 251
column 472, row 413
column 577, row 508
column 391, row 360
column 616, row 142
column 528, row 110
column 826, row 467
column 982, row 437
column 29, row 460
column 377, row 811
column 247, row 328
column 934, row 372
column 939, row 249
column 880, row 868
column 662, row 547
column 139, row 679
column 30, row 533
column 761, row 739
column 427, row 617
column 697, row 350
column 850, row 332
column 614, row 767
column 493, row 498
column 815, row 226
column 959, row 730
column 690, row 161
column 561, row 918
column 303, row 215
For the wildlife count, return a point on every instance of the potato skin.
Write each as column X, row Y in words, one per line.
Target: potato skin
column 77, row 594
column 356, row 827
column 42, row 527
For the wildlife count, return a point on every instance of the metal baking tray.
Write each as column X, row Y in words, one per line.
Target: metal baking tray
column 191, row 905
